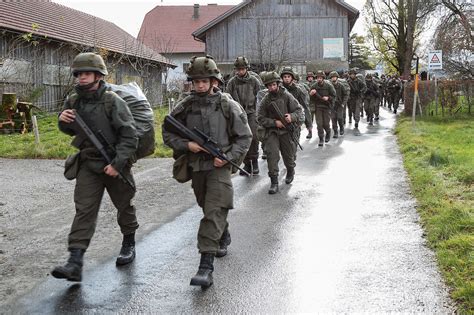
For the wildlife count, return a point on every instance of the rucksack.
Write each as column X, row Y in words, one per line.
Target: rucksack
column 141, row 111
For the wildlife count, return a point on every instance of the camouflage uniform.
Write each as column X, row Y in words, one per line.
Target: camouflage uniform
column 224, row 120
column 394, row 88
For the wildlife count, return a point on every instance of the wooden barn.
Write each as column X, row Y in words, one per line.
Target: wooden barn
column 39, row 39
column 273, row 33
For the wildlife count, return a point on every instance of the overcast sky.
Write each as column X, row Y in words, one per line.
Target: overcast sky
column 129, row 14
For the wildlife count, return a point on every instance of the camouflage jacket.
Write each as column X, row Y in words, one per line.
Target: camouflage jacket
column 342, row 93
column 325, row 89
column 244, row 91
column 358, row 87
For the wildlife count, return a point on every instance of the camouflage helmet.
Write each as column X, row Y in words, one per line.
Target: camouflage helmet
column 202, row 68
column 271, row 77
column 288, row 70
column 297, row 76
column 352, row 71
column 241, row 62
column 333, row 74
column 88, row 62
column 309, row 74
column 320, row 73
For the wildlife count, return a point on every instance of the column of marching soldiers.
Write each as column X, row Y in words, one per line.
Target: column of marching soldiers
column 212, row 130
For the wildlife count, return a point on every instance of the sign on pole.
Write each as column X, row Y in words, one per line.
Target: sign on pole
column 435, row 60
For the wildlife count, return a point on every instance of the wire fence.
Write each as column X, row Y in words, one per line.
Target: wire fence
column 445, row 97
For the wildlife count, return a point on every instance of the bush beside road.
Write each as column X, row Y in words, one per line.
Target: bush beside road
column 439, row 158
column 56, row 145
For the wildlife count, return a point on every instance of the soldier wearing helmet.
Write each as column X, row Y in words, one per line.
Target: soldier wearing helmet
column 371, row 98
column 342, row 95
column 244, row 87
column 93, row 174
column 219, row 116
column 394, row 91
column 323, row 97
column 289, row 79
column 276, row 137
column 358, row 89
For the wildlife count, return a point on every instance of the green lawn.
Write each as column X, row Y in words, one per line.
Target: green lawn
column 439, row 157
column 56, row 145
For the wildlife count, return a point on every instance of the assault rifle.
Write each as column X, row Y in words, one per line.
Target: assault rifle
column 292, row 127
column 99, row 145
column 171, row 124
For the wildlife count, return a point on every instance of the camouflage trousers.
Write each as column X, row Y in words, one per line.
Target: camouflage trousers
column 370, row 105
column 215, row 195
column 276, row 144
column 252, row 153
column 88, row 193
column 323, row 120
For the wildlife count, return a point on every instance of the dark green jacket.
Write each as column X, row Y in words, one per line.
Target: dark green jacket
column 325, row 89
column 342, row 92
column 267, row 116
column 206, row 113
column 105, row 111
column 244, row 91
column 358, row 87
column 302, row 96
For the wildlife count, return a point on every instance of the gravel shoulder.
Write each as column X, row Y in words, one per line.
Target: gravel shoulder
column 37, row 209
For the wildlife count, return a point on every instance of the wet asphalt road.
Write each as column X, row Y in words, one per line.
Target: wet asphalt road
column 344, row 237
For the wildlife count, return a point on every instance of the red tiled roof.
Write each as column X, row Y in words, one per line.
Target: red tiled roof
column 59, row 22
column 175, row 24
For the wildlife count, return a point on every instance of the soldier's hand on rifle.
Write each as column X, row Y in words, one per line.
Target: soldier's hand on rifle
column 279, row 124
column 326, row 98
column 67, row 116
column 194, row 147
column 312, row 92
column 219, row 163
column 288, row 118
column 111, row 171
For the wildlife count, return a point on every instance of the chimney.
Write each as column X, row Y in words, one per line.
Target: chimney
column 196, row 11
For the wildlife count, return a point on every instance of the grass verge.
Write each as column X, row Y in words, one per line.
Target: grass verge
column 439, row 158
column 56, row 145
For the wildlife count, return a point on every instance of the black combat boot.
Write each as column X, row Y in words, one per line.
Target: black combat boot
column 72, row 271
column 377, row 118
column 310, row 134
column 350, row 119
column 341, row 132
column 328, row 137
column 223, row 243
column 394, row 111
column 248, row 168
column 255, row 169
column 127, row 252
column 274, row 185
column 203, row 277
column 336, row 134
column 356, row 125
column 290, row 175
column 264, row 156
column 321, row 141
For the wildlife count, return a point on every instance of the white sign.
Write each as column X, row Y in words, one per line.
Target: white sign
column 435, row 60
column 333, row 47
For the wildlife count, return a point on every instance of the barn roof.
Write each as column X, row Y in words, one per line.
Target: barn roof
column 51, row 20
column 200, row 33
column 175, row 24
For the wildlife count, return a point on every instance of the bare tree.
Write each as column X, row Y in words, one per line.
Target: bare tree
column 395, row 28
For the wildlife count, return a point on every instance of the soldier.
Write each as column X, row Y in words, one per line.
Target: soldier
column 244, row 88
column 312, row 110
column 323, row 96
column 342, row 95
column 93, row 174
column 276, row 137
column 383, row 92
column 394, row 88
column 223, row 119
column 289, row 78
column 355, row 98
column 377, row 82
column 370, row 98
